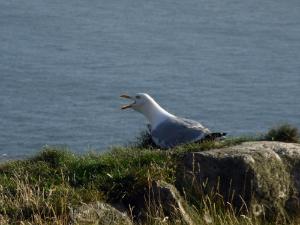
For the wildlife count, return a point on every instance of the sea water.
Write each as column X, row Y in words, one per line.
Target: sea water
column 232, row 65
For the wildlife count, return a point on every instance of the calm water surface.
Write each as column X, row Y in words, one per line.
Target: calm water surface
column 233, row 65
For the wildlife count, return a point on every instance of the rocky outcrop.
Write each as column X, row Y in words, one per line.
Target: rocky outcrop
column 258, row 178
column 262, row 178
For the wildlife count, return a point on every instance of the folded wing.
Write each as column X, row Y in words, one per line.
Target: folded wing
column 175, row 131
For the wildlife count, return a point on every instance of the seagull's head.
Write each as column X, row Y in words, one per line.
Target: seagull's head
column 141, row 101
column 145, row 104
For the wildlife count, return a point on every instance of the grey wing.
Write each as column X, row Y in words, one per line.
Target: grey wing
column 194, row 124
column 177, row 131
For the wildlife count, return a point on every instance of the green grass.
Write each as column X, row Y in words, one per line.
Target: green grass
column 48, row 183
column 43, row 189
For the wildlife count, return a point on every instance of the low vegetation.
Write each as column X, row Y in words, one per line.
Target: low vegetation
column 47, row 187
column 284, row 133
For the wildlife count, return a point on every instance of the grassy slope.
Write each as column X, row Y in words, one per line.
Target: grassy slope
column 42, row 189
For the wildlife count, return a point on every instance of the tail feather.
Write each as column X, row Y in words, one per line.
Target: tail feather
column 214, row 136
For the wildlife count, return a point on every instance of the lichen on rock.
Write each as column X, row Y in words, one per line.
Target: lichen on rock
column 258, row 177
column 98, row 213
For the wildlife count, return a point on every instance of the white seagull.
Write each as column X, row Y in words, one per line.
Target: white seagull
column 166, row 129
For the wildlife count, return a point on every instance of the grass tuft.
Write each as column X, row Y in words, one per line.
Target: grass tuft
column 144, row 140
column 284, row 133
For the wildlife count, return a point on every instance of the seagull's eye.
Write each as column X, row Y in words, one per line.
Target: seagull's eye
column 137, row 97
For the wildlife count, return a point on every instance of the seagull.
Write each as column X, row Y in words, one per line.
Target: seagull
column 166, row 129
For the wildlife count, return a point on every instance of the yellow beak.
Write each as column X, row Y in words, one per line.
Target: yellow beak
column 126, row 106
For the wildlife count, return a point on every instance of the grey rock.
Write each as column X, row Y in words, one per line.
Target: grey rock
column 262, row 178
column 159, row 203
column 98, row 213
column 166, row 198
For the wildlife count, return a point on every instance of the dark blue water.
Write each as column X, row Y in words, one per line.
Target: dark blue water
column 233, row 65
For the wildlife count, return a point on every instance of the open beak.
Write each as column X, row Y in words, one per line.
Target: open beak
column 129, row 105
